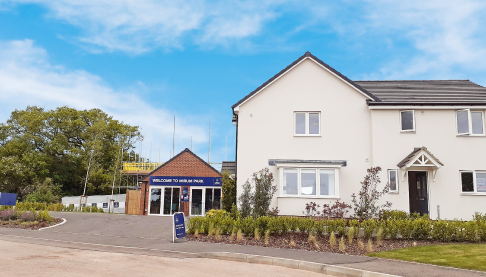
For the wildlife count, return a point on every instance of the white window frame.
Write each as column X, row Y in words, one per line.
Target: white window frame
column 474, row 172
column 396, row 180
column 162, row 199
column 413, row 121
column 307, row 122
column 469, row 121
column 318, row 187
column 203, row 200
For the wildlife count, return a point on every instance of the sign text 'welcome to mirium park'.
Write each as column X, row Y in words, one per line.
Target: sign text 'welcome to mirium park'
column 184, row 181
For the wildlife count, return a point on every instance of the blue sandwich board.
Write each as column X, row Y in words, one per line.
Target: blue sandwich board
column 179, row 230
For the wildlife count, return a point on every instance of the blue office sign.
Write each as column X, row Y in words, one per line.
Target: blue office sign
column 8, row 199
column 179, row 230
column 185, row 181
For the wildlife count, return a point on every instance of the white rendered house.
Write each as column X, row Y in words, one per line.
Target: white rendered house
column 318, row 132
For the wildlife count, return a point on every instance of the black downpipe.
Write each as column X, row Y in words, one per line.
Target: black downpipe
column 236, row 158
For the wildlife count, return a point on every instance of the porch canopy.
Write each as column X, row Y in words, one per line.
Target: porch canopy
column 420, row 157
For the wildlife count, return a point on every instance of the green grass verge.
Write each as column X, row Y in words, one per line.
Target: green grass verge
column 466, row 256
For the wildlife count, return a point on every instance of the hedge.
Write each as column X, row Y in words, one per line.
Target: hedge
column 404, row 227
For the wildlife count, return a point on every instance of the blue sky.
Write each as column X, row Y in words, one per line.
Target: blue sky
column 145, row 61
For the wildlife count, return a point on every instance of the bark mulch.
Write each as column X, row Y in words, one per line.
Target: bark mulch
column 322, row 244
column 33, row 225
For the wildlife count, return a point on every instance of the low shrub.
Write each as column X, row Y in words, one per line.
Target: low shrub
column 8, row 215
column 28, row 216
column 44, row 216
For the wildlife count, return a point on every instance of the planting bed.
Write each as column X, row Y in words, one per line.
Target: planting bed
column 33, row 225
column 300, row 241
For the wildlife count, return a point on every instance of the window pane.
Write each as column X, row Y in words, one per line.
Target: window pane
column 477, row 122
column 308, row 181
column 467, row 181
column 393, row 180
column 155, row 201
column 462, row 122
column 481, row 182
column 300, row 123
column 290, row 182
column 407, row 120
column 327, row 182
column 196, row 201
column 314, row 123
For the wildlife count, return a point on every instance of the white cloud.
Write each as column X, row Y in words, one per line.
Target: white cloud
column 27, row 78
column 137, row 26
column 447, row 36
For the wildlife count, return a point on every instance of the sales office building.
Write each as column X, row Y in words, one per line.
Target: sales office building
column 185, row 184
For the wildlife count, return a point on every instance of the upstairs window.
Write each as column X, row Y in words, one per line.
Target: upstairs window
column 307, row 124
column 469, row 122
column 473, row 181
column 407, row 119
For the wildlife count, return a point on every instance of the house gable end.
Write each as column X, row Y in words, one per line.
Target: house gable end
column 313, row 58
column 186, row 163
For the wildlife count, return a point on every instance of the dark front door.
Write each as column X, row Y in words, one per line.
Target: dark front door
column 417, row 187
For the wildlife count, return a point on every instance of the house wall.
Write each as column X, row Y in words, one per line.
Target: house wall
column 266, row 130
column 436, row 130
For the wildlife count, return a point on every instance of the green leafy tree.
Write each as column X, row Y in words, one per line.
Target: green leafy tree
column 246, row 200
column 46, row 192
column 36, row 144
column 229, row 191
column 264, row 191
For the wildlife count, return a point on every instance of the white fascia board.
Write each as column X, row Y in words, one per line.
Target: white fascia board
column 419, row 107
column 367, row 96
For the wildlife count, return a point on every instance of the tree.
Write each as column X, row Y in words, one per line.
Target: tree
column 264, row 191
column 257, row 202
column 229, row 191
column 246, row 200
column 36, row 144
column 366, row 204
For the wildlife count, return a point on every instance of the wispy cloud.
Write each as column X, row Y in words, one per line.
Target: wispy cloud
column 445, row 36
column 28, row 78
column 137, row 26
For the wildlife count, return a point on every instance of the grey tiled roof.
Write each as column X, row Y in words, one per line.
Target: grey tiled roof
column 412, row 155
column 431, row 92
column 229, row 167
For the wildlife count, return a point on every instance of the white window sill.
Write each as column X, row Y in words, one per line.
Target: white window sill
column 296, row 135
column 394, row 192
column 407, row 131
column 473, row 193
column 475, row 135
column 310, row 196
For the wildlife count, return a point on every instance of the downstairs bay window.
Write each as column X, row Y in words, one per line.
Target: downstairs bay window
column 309, row 182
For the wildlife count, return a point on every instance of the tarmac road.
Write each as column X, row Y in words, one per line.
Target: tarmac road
column 151, row 235
column 22, row 259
